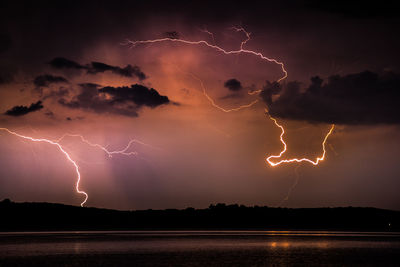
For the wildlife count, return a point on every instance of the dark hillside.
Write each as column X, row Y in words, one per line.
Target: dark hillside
column 49, row 216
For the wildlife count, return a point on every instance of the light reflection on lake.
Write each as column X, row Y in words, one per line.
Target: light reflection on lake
column 199, row 248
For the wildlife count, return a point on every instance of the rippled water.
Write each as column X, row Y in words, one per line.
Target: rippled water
column 200, row 248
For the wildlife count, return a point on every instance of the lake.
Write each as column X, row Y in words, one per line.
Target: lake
column 200, row 248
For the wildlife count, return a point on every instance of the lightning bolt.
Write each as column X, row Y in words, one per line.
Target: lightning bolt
column 211, row 100
column 217, row 48
column 321, row 158
column 57, row 143
column 243, row 50
column 296, row 181
column 209, row 33
column 241, row 29
column 123, row 151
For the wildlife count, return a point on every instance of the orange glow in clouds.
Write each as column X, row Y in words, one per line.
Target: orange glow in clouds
column 125, row 151
column 219, row 49
column 242, row 50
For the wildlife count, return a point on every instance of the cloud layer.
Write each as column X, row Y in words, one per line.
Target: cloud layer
column 118, row 100
column 233, row 85
column 23, row 110
column 361, row 98
column 98, row 67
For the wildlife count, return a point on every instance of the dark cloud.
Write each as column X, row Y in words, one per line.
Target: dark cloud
column 98, row 67
column 138, row 94
column 63, row 63
column 119, row 100
column 23, row 110
column 128, row 71
column 47, row 79
column 90, row 85
column 88, row 98
column 362, row 98
column 271, row 89
column 233, row 85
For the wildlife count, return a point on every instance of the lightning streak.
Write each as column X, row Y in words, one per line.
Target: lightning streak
column 213, row 102
column 242, row 50
column 123, row 151
column 296, row 181
column 218, row 48
column 209, row 33
column 55, row 143
column 321, row 158
column 240, row 29
column 333, row 149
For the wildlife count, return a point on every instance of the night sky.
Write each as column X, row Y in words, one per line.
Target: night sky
column 70, row 67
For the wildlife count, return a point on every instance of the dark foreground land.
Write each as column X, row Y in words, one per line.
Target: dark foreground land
column 54, row 235
column 58, row 217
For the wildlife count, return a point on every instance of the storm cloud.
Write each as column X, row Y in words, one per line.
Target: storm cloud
column 98, row 67
column 63, row 63
column 128, row 71
column 23, row 110
column 233, row 85
column 118, row 100
column 361, row 98
column 136, row 93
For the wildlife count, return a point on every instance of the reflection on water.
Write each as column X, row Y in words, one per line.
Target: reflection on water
column 198, row 248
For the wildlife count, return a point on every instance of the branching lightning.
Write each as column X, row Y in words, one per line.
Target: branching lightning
column 211, row 100
column 125, row 151
column 57, row 143
column 296, row 181
column 209, row 33
column 321, row 158
column 218, row 48
column 54, row 143
column 243, row 50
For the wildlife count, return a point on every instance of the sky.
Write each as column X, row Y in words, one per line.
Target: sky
column 72, row 70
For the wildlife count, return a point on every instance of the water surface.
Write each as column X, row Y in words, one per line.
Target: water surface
column 200, row 248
